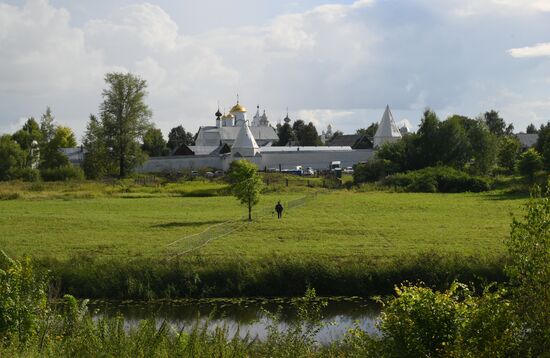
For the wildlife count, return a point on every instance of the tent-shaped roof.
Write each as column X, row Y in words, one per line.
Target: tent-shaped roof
column 245, row 144
column 387, row 129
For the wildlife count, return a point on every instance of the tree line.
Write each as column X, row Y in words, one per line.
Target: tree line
column 480, row 146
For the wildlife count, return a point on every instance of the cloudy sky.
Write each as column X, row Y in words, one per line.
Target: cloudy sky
column 337, row 62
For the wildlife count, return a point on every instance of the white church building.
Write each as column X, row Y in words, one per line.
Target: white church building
column 235, row 138
column 227, row 128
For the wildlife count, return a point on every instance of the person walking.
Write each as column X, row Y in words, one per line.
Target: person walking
column 279, row 210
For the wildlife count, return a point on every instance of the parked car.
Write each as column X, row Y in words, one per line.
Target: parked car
column 335, row 165
column 348, row 170
column 309, row 171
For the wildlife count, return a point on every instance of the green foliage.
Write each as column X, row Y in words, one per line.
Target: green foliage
column 23, row 304
column 530, row 162
column 529, row 272
column 63, row 173
column 420, row 322
column 304, row 134
column 369, row 132
column 29, row 133
column 543, row 144
column 403, row 154
column 297, row 340
column 53, row 138
column 285, row 134
column 64, row 137
column 98, row 161
column 484, row 148
column 154, row 143
column 495, row 123
column 112, row 143
column 27, row 174
column 440, row 179
column 508, row 152
column 373, row 170
column 247, row 184
column 12, row 158
column 179, row 136
column 459, row 142
column 531, row 129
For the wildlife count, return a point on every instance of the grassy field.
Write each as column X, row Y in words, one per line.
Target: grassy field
column 190, row 239
column 338, row 224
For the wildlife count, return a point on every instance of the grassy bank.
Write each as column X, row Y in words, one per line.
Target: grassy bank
column 269, row 276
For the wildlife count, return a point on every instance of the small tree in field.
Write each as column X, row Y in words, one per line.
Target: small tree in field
column 246, row 183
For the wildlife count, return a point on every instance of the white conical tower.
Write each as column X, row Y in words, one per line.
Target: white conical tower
column 245, row 145
column 387, row 130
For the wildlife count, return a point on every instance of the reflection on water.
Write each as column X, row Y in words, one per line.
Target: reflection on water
column 251, row 316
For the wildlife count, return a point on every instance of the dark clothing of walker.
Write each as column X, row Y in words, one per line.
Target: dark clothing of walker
column 279, row 210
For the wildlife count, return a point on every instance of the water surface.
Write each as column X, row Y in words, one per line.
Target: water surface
column 245, row 316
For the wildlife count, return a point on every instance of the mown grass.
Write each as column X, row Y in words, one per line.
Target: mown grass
column 114, row 243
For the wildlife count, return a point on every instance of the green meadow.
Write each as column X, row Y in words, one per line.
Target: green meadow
column 338, row 224
column 195, row 229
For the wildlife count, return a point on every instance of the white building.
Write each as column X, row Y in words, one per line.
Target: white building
column 387, row 130
column 228, row 127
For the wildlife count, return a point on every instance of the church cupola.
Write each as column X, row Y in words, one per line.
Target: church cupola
column 287, row 118
column 228, row 120
column 218, row 115
column 239, row 112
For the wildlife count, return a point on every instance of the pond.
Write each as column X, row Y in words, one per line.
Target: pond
column 252, row 316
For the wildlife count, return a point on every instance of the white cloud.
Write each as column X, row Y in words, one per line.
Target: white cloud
column 539, row 50
column 334, row 63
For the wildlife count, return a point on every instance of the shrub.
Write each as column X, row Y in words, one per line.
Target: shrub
column 441, row 179
column 27, row 174
column 372, row 171
column 65, row 173
column 23, row 303
column 529, row 164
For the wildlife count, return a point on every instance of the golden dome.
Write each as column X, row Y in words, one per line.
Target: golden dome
column 237, row 108
column 227, row 116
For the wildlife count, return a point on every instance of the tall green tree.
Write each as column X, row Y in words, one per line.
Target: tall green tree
column 543, row 144
column 508, row 152
column 47, row 126
column 285, row 135
column 53, row 137
column 453, row 143
column 98, row 161
column 154, row 143
column 12, row 157
column 64, row 137
column 125, row 118
column 179, row 136
column 309, row 136
column 484, row 146
column 29, row 139
column 495, row 123
column 428, row 139
column 531, row 129
column 246, row 183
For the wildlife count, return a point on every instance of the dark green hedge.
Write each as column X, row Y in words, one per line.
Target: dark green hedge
column 438, row 179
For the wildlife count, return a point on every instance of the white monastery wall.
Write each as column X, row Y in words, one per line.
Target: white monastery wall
column 287, row 160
